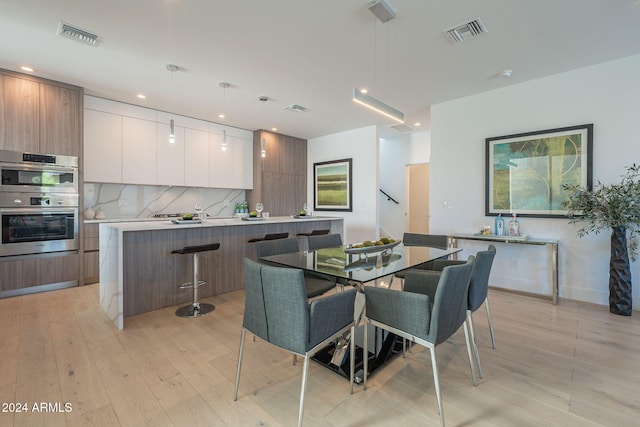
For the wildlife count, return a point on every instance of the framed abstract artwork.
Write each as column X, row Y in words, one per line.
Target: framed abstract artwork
column 525, row 172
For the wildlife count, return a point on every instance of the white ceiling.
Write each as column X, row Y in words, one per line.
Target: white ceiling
column 311, row 53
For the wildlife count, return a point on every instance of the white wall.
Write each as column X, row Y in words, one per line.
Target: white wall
column 607, row 95
column 395, row 154
column 420, row 147
column 363, row 147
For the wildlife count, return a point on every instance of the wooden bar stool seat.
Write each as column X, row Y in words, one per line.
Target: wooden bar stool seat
column 195, row 309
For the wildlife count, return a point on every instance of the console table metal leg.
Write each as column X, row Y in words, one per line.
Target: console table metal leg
column 554, row 272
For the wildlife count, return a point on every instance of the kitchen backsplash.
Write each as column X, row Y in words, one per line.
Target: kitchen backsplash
column 143, row 201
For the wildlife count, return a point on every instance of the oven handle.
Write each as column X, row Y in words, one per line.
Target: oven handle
column 43, row 167
column 43, row 211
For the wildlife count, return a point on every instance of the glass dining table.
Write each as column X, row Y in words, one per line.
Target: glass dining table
column 374, row 269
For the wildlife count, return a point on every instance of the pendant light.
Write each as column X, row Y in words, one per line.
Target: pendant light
column 224, row 86
column 263, row 150
column 384, row 12
column 172, row 134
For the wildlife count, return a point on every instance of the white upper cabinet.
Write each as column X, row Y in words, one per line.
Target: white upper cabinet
column 102, row 147
column 220, row 161
column 139, row 160
column 171, row 167
column 128, row 144
column 196, row 160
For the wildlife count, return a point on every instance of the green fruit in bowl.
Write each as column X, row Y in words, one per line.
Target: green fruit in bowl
column 187, row 216
column 303, row 213
column 253, row 214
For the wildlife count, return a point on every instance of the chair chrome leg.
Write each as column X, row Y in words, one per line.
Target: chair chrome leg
column 242, row 335
column 352, row 357
column 436, row 381
column 469, row 351
column 472, row 331
column 305, row 370
column 493, row 338
column 365, row 354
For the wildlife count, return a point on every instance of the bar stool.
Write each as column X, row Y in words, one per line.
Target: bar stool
column 271, row 236
column 314, row 233
column 195, row 309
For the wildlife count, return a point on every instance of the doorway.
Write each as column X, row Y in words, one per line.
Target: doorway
column 418, row 198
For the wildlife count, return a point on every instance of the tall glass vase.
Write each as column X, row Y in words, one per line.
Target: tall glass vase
column 619, row 274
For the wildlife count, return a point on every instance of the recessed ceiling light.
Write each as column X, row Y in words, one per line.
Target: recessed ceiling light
column 417, row 124
column 274, row 129
column 27, row 69
column 221, row 116
column 141, row 96
column 505, row 73
column 363, row 90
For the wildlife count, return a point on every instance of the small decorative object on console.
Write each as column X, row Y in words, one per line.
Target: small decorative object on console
column 514, row 226
column 499, row 225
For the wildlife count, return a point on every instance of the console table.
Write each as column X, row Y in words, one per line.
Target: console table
column 550, row 243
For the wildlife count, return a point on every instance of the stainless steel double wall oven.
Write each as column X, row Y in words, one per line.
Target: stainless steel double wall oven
column 38, row 203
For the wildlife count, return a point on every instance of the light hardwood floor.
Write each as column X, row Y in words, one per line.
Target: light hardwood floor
column 568, row 365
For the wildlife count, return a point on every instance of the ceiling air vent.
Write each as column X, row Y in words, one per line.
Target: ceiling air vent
column 77, row 34
column 295, row 107
column 401, row 127
column 466, row 30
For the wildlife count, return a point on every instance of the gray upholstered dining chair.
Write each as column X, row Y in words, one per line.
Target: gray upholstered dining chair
column 277, row 310
column 316, row 242
column 432, row 240
column 324, row 241
column 431, row 308
column 478, row 292
column 316, row 284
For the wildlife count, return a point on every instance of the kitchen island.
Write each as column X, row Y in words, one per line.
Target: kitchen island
column 138, row 273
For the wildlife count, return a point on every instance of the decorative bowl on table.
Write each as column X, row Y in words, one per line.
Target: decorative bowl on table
column 370, row 263
column 369, row 247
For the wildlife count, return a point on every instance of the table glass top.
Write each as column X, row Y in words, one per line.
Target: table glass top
column 358, row 267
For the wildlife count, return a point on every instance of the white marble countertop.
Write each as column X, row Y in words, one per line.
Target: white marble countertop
column 142, row 219
column 165, row 223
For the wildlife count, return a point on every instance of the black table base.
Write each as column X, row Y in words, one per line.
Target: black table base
column 391, row 347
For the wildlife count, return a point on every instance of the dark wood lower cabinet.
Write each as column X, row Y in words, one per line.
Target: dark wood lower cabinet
column 21, row 275
column 91, row 267
column 91, row 255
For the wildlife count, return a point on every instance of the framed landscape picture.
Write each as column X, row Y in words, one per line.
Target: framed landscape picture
column 332, row 186
column 525, row 172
